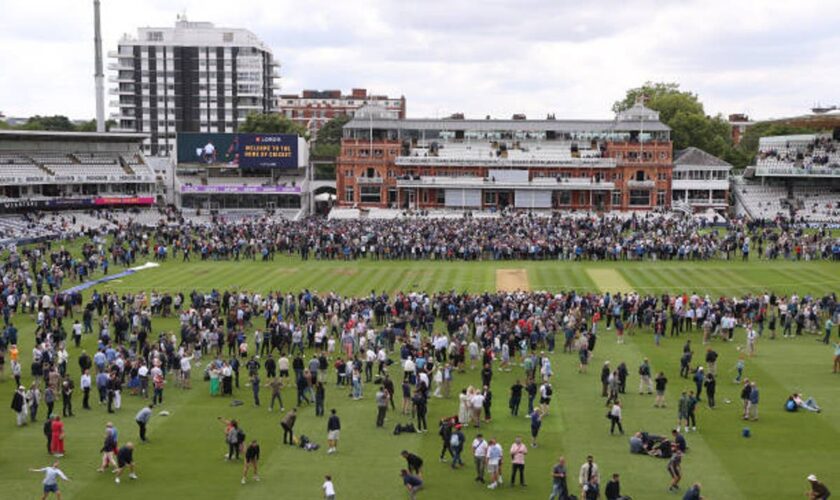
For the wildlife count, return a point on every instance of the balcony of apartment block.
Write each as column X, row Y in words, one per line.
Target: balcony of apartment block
column 124, row 66
column 121, row 104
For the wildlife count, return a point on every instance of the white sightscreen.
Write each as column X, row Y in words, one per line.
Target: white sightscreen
column 508, row 175
column 463, row 198
column 532, row 199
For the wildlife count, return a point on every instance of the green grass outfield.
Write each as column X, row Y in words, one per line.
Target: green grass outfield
column 184, row 458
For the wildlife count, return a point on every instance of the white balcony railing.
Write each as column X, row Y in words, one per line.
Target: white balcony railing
column 798, row 172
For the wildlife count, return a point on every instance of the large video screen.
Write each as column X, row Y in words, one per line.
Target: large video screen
column 239, row 150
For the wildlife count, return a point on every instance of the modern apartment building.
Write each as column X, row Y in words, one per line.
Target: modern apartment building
column 194, row 77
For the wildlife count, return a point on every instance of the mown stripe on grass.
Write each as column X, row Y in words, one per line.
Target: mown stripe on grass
column 609, row 280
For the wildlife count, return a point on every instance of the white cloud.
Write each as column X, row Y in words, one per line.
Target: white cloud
column 769, row 58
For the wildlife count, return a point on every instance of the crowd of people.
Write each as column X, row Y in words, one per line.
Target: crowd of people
column 418, row 342
column 414, row 344
column 522, row 236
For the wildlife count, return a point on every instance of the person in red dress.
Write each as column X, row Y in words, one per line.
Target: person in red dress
column 57, row 440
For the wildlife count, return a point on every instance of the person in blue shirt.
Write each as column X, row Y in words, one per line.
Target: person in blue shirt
column 412, row 483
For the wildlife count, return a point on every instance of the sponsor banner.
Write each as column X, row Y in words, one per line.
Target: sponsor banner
column 231, row 188
column 260, row 151
column 131, row 200
column 53, row 203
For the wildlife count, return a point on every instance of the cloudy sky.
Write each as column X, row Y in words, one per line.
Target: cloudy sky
column 767, row 58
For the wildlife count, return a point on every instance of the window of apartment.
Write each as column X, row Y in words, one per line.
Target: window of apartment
column 348, row 173
column 154, row 36
column 392, row 195
column 616, row 198
column 348, row 194
column 660, row 198
column 639, row 197
column 441, row 197
column 489, row 197
column 370, row 194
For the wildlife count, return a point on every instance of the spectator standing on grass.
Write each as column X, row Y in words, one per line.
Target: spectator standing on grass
column 479, row 449
column 456, row 446
column 613, row 489
column 57, row 438
column 48, row 432
column 536, row 424
column 420, row 408
column 644, row 377
column 333, row 431
column 588, row 475
column 711, row 389
column 745, row 397
column 518, row 450
column 381, row 399
column 276, row 384
column 19, row 406
column 494, row 463
column 661, row 383
column 752, row 412
column 559, row 487
column 515, row 398
column 836, row 358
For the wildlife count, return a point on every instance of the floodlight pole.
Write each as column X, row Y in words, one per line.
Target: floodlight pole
column 98, row 75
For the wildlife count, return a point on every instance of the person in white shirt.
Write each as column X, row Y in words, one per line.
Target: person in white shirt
column 85, row 384
column 752, row 338
column 185, row 371
column 479, row 447
column 51, row 475
column 329, row 488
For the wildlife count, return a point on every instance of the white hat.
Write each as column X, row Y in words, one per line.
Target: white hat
column 812, row 478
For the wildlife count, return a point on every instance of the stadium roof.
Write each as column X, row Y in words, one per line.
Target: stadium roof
column 490, row 125
column 829, row 120
column 48, row 135
column 696, row 156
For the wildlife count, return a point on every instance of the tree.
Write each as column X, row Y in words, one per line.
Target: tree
column 332, row 131
column 58, row 123
column 683, row 112
column 90, row 126
column 261, row 123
